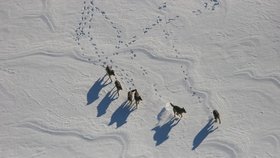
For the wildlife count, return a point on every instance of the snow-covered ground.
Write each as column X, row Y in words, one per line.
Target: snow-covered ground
column 198, row 54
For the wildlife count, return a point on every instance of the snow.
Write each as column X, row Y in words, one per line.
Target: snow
column 55, row 100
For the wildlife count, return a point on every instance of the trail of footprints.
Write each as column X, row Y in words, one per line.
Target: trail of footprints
column 144, row 71
column 210, row 4
column 125, row 77
column 207, row 5
column 187, row 79
column 85, row 31
column 159, row 20
column 162, row 6
column 186, row 76
column 156, row 90
column 183, row 69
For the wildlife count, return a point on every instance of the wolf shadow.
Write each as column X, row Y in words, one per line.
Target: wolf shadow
column 93, row 93
column 121, row 114
column 161, row 132
column 203, row 133
column 105, row 102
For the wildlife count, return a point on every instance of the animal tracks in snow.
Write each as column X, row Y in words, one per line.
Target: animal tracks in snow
column 211, row 4
column 87, row 33
column 86, row 30
column 207, row 5
column 189, row 53
column 89, row 27
column 130, row 74
column 123, row 57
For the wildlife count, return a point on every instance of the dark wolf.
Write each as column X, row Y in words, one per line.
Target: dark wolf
column 216, row 116
column 178, row 110
column 110, row 72
column 118, row 86
column 137, row 97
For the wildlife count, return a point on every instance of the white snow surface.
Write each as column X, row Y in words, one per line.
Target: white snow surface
column 55, row 101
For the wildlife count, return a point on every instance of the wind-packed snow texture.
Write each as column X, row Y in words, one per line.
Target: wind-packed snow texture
column 55, row 100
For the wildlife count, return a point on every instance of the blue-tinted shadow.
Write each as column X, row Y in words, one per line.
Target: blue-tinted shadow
column 105, row 102
column 93, row 92
column 162, row 132
column 121, row 114
column 203, row 133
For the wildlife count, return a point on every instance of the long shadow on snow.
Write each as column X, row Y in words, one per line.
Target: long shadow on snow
column 105, row 102
column 203, row 133
column 121, row 114
column 162, row 132
column 93, row 92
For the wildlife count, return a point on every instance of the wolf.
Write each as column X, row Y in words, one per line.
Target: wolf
column 137, row 97
column 216, row 116
column 178, row 110
column 118, row 86
column 110, row 72
column 130, row 96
